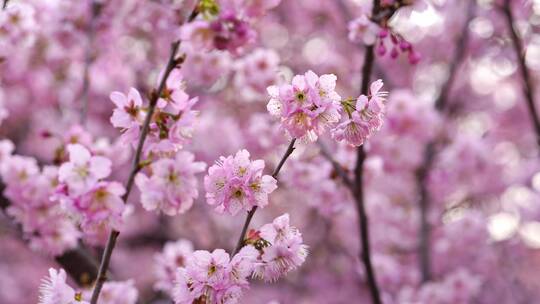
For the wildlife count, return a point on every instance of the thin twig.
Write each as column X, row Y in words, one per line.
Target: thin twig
column 250, row 214
column 357, row 188
column 422, row 173
column 363, row 221
column 172, row 63
column 528, row 86
column 105, row 260
column 337, row 167
column 95, row 8
column 4, row 5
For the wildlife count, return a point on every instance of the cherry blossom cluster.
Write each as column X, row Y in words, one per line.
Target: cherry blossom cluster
column 17, row 27
column 83, row 192
column 172, row 185
column 281, row 249
column 460, row 286
column 171, row 126
column 368, row 31
column 169, row 184
column 310, row 105
column 255, row 72
column 236, row 183
column 364, row 117
column 214, row 277
column 306, row 107
column 227, row 24
column 55, row 290
column 173, row 256
column 28, row 189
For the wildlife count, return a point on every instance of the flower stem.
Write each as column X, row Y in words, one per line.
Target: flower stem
column 250, row 214
column 111, row 242
column 430, row 151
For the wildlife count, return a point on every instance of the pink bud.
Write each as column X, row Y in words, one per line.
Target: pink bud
column 394, row 53
column 45, row 134
column 414, row 57
column 404, row 45
column 383, row 33
column 381, row 49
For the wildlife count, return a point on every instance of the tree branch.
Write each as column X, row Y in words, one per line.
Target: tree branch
column 358, row 193
column 172, row 63
column 135, row 167
column 250, row 214
column 422, row 173
column 528, row 85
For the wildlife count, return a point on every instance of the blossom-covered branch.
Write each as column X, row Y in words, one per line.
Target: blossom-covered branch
column 172, row 63
column 251, row 212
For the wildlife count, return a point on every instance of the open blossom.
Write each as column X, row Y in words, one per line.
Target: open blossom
column 229, row 29
column 226, row 32
column 83, row 170
column 173, row 99
column 365, row 117
column 255, row 72
column 173, row 256
column 101, row 205
column 212, row 277
column 55, row 290
column 236, row 183
column 128, row 112
column 171, row 125
column 307, row 106
column 42, row 221
column 281, row 246
column 362, row 29
column 172, row 186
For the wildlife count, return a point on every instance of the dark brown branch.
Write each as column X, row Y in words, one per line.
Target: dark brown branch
column 363, row 221
column 250, row 214
column 528, row 85
column 4, row 5
column 422, row 173
column 172, row 63
column 79, row 264
column 357, row 188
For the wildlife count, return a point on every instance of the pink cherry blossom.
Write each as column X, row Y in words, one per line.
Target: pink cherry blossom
column 173, row 256
column 235, row 183
column 284, row 251
column 172, row 187
column 307, row 106
column 365, row 117
column 55, row 290
column 102, row 205
column 83, row 170
column 129, row 112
